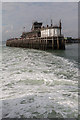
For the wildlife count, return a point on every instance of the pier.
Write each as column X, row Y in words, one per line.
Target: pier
column 42, row 38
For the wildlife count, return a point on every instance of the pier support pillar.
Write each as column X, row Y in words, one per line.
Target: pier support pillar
column 52, row 43
column 57, row 43
column 46, row 43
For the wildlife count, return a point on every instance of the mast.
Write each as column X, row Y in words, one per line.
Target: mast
column 24, row 29
column 60, row 25
column 51, row 23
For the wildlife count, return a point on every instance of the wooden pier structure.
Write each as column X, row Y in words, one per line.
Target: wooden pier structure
column 42, row 38
column 38, row 43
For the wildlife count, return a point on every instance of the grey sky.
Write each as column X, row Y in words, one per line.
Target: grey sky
column 40, row 0
column 16, row 15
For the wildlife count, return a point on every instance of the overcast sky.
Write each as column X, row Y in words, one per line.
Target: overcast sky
column 39, row 0
column 16, row 15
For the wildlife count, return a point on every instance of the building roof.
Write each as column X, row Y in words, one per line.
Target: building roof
column 50, row 27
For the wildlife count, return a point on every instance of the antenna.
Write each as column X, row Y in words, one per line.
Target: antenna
column 60, row 26
column 51, row 23
column 23, row 29
column 60, row 23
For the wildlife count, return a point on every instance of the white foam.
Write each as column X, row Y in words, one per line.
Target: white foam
column 48, row 79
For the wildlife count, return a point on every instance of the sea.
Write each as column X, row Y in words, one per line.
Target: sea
column 39, row 84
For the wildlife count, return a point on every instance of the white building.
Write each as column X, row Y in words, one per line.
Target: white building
column 51, row 31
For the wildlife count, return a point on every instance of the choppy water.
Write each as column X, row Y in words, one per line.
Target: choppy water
column 39, row 84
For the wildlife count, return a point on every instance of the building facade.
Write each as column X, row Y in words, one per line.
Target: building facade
column 50, row 31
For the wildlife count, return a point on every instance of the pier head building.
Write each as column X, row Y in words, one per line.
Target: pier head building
column 40, row 37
